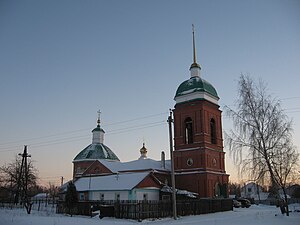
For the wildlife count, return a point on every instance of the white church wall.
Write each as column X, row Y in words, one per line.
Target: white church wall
column 108, row 195
column 135, row 194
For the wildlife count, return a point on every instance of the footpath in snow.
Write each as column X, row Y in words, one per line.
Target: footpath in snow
column 256, row 214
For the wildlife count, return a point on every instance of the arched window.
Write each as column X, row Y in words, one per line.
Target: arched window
column 188, row 127
column 217, row 190
column 213, row 134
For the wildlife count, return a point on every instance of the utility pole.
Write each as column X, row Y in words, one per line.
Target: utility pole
column 23, row 181
column 62, row 181
column 170, row 121
column 20, row 178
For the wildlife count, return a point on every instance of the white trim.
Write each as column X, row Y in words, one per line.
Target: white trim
column 199, row 148
column 200, row 172
column 195, row 72
column 196, row 95
column 188, row 149
column 84, row 160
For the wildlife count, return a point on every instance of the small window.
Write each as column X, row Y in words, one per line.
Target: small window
column 117, row 197
column 213, row 135
column 81, row 196
column 249, row 189
column 145, row 196
column 101, row 197
column 188, row 126
column 189, row 162
column 214, row 162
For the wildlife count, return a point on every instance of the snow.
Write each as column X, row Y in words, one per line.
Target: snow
column 122, row 181
column 256, row 214
column 140, row 164
column 40, row 196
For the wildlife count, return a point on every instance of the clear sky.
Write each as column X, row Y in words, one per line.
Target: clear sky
column 62, row 60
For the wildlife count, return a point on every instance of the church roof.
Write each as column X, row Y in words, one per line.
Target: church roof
column 195, row 84
column 145, row 164
column 116, row 182
column 195, row 88
column 96, row 151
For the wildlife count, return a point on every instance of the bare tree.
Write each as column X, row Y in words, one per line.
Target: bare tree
column 10, row 174
column 53, row 192
column 261, row 138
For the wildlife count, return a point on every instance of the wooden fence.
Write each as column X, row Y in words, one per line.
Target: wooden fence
column 139, row 210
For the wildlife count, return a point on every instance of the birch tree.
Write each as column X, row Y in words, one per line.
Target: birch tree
column 261, row 138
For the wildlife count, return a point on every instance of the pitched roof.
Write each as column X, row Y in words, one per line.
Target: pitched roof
column 122, row 181
column 140, row 164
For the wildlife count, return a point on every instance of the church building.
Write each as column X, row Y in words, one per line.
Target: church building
column 98, row 174
column 199, row 159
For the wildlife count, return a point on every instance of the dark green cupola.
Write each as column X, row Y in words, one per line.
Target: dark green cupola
column 96, row 150
column 195, row 88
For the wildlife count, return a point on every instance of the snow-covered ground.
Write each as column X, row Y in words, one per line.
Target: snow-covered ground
column 256, row 214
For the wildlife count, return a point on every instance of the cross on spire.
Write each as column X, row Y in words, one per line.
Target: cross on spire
column 98, row 120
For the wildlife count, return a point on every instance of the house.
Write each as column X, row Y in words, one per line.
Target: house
column 40, row 197
column 120, row 186
column 253, row 191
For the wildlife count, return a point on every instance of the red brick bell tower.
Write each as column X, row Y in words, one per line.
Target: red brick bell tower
column 198, row 155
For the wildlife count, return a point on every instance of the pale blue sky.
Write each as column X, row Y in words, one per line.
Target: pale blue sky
column 61, row 61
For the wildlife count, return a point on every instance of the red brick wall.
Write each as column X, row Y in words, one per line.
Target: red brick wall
column 202, row 183
column 207, row 168
column 201, row 112
column 148, row 182
column 89, row 167
column 97, row 168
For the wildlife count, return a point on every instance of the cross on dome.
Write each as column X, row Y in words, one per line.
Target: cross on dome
column 98, row 120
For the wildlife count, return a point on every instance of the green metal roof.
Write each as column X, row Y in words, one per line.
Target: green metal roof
column 196, row 84
column 98, row 128
column 96, row 151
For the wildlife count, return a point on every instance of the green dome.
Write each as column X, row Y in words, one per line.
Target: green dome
column 96, row 151
column 196, row 84
column 98, row 128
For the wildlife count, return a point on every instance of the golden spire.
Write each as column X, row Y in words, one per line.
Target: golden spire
column 195, row 64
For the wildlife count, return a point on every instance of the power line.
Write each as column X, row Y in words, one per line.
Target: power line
column 139, row 118
column 43, row 137
column 80, row 130
column 62, row 140
column 290, row 98
column 81, row 137
column 140, row 128
column 281, row 99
